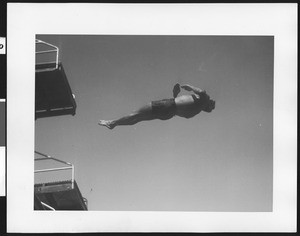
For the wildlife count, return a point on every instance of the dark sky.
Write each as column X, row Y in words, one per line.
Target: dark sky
column 219, row 161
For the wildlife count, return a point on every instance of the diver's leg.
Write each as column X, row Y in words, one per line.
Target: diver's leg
column 143, row 114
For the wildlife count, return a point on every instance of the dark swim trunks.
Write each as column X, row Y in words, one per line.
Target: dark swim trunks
column 164, row 109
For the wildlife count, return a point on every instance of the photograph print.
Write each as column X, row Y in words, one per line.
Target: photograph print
column 154, row 123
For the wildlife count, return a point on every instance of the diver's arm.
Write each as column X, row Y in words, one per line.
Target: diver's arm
column 176, row 90
column 196, row 90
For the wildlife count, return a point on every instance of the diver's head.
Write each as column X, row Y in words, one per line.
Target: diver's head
column 210, row 105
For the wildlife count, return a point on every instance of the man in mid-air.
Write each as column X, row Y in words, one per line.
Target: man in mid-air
column 186, row 106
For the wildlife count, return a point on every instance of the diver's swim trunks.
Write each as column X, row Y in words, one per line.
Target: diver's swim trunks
column 164, row 109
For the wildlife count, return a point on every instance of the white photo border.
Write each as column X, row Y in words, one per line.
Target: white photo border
column 26, row 20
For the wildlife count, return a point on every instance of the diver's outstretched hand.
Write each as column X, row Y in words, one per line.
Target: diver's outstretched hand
column 196, row 90
column 187, row 87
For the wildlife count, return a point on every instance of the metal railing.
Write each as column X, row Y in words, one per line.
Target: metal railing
column 47, row 206
column 47, row 157
column 53, row 50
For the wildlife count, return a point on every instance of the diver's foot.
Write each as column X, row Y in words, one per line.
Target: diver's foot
column 108, row 123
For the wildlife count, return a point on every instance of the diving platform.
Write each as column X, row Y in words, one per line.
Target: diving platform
column 53, row 97
column 53, row 94
column 56, row 195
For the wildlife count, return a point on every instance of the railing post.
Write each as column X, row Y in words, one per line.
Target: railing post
column 73, row 173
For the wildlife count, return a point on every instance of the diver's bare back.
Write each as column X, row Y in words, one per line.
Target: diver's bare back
column 185, row 104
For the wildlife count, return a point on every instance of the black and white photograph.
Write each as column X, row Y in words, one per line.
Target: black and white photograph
column 156, row 123
column 144, row 124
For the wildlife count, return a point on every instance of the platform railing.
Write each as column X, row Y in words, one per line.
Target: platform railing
column 53, row 50
column 47, row 157
column 47, row 206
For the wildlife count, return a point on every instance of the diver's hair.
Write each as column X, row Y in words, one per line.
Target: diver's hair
column 213, row 102
column 209, row 103
column 206, row 96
